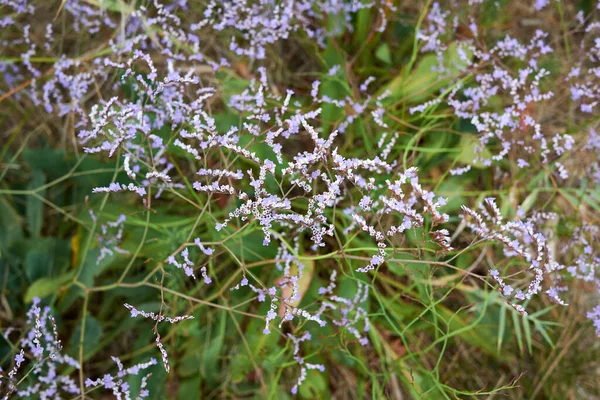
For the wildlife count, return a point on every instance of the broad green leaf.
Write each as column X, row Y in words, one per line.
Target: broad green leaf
column 46, row 257
column 468, row 144
column 91, row 335
column 530, row 200
column 250, row 248
column 210, row 356
column 425, row 80
column 92, row 267
column 113, row 5
column 35, row 206
column 10, row 225
column 190, row 388
column 46, row 286
column 384, row 54
column 315, row 386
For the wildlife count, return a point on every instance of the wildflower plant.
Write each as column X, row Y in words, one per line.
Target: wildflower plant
column 296, row 198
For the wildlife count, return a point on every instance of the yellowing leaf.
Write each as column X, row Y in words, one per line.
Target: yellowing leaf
column 75, row 248
column 303, row 284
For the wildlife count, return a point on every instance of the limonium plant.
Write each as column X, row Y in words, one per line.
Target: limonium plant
column 345, row 202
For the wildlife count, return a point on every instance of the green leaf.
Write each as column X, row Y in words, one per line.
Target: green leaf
column 54, row 162
column 361, row 31
column 35, row 265
column 530, row 200
column 91, row 335
column 46, row 257
column 451, row 189
column 517, row 327
column 425, row 80
column 113, row 5
column 250, row 248
column 11, row 231
column 35, row 206
column 468, row 144
column 527, row 331
column 231, row 85
column 46, row 286
column 210, row 356
column 501, row 327
column 92, row 268
column 190, row 388
column 572, row 199
column 384, row 54
column 334, row 87
column 315, row 386
column 540, row 327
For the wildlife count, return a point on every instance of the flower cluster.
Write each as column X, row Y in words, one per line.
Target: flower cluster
column 584, row 262
column 255, row 25
column 128, row 126
column 158, row 318
column 119, row 388
column 520, row 238
column 508, row 72
column 40, row 352
column 583, row 77
column 524, row 238
column 111, row 237
column 304, row 366
column 350, row 311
